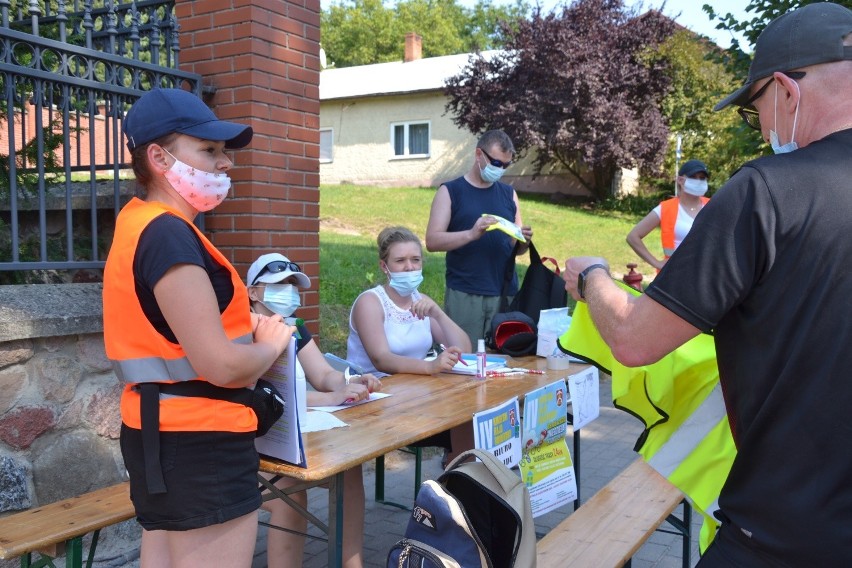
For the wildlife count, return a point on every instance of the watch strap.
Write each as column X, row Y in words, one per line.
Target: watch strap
column 581, row 278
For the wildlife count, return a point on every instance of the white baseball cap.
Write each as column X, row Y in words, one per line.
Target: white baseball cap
column 273, row 267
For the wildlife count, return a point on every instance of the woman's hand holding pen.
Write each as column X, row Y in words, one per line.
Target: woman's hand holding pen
column 360, row 387
column 446, row 360
column 367, row 379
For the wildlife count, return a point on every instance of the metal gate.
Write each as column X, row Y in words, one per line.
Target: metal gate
column 68, row 73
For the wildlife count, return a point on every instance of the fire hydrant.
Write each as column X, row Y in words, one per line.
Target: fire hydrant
column 633, row 278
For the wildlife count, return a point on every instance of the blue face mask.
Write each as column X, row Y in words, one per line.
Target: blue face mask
column 491, row 173
column 283, row 299
column 405, row 283
column 777, row 147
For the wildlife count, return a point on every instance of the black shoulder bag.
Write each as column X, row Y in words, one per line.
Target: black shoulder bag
column 542, row 288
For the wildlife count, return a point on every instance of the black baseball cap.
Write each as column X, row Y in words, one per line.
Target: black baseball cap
column 162, row 111
column 692, row 167
column 810, row 35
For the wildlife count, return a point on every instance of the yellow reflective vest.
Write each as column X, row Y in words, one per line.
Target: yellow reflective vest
column 679, row 401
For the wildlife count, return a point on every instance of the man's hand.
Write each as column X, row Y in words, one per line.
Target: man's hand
column 573, row 267
column 480, row 226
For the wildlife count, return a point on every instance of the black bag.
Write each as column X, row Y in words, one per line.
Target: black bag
column 512, row 333
column 542, row 288
column 264, row 399
column 268, row 405
column 476, row 515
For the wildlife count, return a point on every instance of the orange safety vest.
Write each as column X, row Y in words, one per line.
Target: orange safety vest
column 668, row 219
column 141, row 355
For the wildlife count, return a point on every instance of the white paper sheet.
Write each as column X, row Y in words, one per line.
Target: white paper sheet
column 316, row 421
column 373, row 396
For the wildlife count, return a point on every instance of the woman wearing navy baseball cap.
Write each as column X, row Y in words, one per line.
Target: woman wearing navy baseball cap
column 178, row 329
column 673, row 216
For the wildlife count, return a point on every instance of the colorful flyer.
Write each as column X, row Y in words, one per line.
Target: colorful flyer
column 546, row 465
column 506, row 226
column 284, row 439
column 498, row 430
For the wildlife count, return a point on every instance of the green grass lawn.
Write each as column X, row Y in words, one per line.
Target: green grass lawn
column 351, row 217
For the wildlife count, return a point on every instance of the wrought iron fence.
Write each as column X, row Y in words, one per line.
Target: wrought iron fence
column 68, row 73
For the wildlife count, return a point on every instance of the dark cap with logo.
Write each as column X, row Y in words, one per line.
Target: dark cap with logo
column 811, row 35
column 163, row 111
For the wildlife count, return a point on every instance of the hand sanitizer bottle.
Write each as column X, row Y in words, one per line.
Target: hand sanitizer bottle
column 480, row 359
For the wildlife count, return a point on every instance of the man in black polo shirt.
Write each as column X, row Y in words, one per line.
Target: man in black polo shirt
column 768, row 268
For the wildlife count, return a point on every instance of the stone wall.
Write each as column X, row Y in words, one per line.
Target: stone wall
column 59, row 400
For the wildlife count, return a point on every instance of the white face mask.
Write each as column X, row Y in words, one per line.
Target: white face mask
column 774, row 141
column 696, row 187
column 202, row 190
column 283, row 299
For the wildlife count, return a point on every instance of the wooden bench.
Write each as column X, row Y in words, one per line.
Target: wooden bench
column 609, row 528
column 58, row 528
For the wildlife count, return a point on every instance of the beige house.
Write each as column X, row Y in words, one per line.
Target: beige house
column 385, row 124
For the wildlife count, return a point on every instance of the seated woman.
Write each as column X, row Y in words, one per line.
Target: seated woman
column 273, row 286
column 393, row 326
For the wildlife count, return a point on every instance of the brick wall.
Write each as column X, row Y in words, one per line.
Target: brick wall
column 262, row 56
column 83, row 137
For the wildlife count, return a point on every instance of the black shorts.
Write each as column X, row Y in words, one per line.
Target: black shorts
column 211, row 478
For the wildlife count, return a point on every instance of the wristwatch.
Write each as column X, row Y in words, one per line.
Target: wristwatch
column 348, row 375
column 581, row 278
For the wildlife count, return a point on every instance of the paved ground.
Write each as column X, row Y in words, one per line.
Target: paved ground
column 606, row 449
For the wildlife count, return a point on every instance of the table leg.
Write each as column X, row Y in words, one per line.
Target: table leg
column 335, row 521
column 577, row 467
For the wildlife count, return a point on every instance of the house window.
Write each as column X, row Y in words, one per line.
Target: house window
column 410, row 139
column 326, row 144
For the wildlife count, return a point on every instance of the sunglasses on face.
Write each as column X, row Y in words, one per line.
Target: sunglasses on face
column 276, row 267
column 748, row 113
column 496, row 163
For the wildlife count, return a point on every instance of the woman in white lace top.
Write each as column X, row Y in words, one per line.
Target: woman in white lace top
column 393, row 326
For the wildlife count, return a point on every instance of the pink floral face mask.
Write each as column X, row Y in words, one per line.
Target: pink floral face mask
column 202, row 190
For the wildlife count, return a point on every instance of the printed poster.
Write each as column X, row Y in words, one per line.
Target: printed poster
column 498, row 430
column 546, row 465
column 284, row 439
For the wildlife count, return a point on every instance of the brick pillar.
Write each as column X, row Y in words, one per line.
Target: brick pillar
column 262, row 57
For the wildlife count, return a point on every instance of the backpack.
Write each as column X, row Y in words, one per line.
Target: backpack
column 476, row 515
column 512, row 333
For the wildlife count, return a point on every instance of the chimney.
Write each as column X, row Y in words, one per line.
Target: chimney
column 413, row 47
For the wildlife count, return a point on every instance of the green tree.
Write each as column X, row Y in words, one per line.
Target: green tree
column 361, row 32
column 699, row 81
column 762, row 12
column 582, row 87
